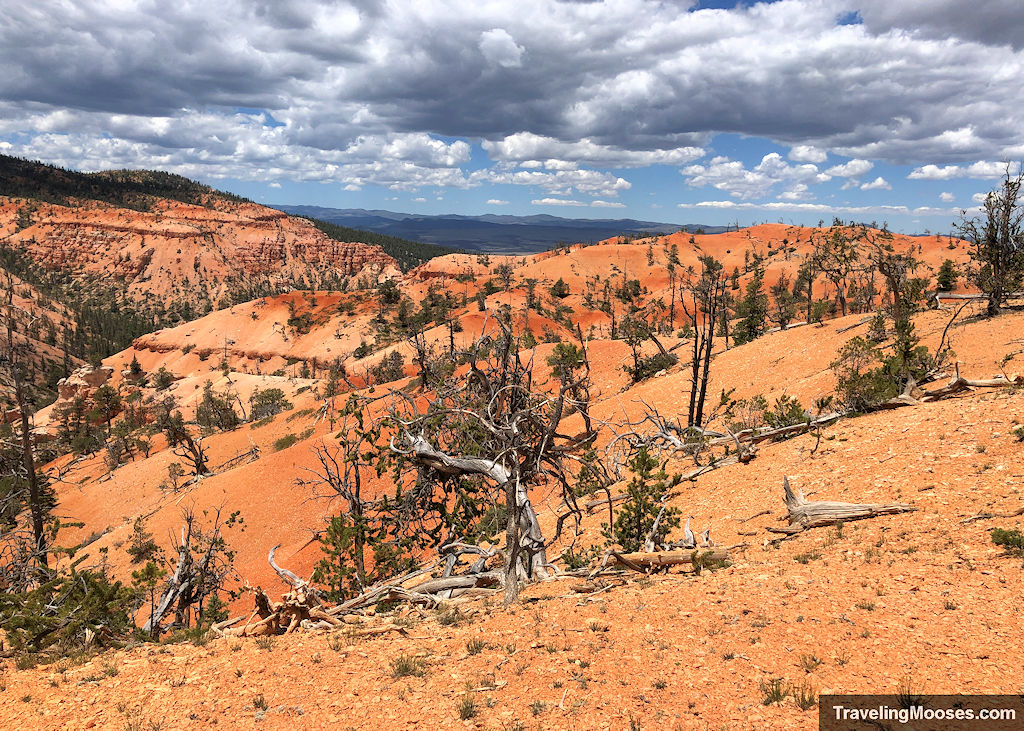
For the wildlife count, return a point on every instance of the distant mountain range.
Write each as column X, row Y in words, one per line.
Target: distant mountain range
column 494, row 234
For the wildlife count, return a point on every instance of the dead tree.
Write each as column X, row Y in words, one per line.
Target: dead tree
column 803, row 514
column 202, row 568
column 707, row 293
column 341, row 472
column 14, row 372
column 997, row 242
column 191, row 449
column 489, row 426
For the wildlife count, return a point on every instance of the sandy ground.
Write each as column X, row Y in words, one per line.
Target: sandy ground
column 920, row 600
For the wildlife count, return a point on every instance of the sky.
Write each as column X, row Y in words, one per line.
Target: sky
column 661, row 110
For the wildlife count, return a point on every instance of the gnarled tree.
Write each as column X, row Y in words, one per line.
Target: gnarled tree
column 489, row 428
column 997, row 242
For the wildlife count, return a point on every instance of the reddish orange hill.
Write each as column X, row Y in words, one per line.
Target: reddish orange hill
column 178, row 250
column 922, row 600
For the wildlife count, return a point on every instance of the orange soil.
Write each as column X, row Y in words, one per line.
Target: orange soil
column 894, row 597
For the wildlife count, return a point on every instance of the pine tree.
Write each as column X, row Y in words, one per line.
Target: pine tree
column 948, row 274
column 752, row 310
column 785, row 301
column 646, row 491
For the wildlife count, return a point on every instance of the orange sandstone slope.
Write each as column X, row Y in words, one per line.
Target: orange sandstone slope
column 182, row 251
column 41, row 327
column 897, row 599
column 287, row 341
column 921, row 601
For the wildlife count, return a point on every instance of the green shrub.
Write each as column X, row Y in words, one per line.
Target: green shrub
column 266, row 403
column 1011, row 541
column 787, row 411
column 861, row 382
column 646, row 491
column 162, row 379
column 773, row 691
column 62, row 609
column 284, row 442
column 405, row 666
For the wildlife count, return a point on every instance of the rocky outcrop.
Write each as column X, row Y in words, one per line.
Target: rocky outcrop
column 82, row 382
column 153, row 253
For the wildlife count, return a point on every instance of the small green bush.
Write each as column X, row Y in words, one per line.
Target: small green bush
column 773, row 691
column 284, row 442
column 1011, row 541
column 405, row 666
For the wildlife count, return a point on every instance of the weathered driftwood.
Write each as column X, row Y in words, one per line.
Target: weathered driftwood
column 804, row 514
column 940, row 296
column 786, row 431
column 746, row 451
column 958, row 384
column 287, row 576
column 646, row 560
column 989, row 516
column 436, row 586
column 297, row 608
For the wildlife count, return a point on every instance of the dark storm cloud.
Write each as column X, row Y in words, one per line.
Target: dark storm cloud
column 359, row 87
column 992, row 22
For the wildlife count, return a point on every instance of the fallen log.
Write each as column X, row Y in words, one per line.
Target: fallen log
column 746, row 437
column 971, row 297
column 989, row 516
column 643, row 560
column 862, row 321
column 753, row 436
column 435, row 586
column 804, row 515
column 958, row 384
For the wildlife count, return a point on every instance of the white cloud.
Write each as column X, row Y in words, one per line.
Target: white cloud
column 733, row 177
column 529, row 150
column 274, row 185
column 496, row 202
column 607, row 204
column 500, row 48
column 993, row 22
column 980, row 170
column 559, row 182
column 820, row 208
column 797, row 192
column 807, row 153
column 878, row 183
column 366, row 93
column 947, row 197
column 556, row 202
column 851, row 169
column 419, row 200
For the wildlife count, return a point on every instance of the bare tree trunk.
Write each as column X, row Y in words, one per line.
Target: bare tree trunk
column 359, row 535
column 27, row 456
column 34, row 493
column 511, row 544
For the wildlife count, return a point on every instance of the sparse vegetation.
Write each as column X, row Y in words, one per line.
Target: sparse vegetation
column 405, row 666
column 1010, row 540
column 467, row 707
column 773, row 690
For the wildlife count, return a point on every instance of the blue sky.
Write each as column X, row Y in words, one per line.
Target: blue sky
column 689, row 112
